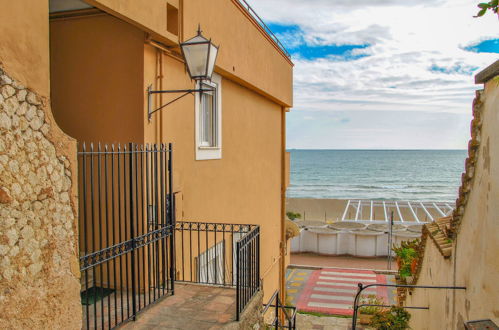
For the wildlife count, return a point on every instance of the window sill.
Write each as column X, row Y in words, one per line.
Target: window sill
column 205, row 153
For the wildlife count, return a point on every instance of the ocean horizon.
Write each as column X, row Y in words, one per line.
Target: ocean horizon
column 379, row 174
column 292, row 149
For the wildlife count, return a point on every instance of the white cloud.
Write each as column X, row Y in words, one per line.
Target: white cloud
column 407, row 39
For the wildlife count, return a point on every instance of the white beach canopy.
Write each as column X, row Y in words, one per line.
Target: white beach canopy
column 408, row 212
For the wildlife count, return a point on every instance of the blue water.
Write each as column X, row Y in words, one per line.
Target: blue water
column 419, row 175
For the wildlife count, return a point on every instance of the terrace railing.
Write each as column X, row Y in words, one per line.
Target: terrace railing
column 220, row 254
column 264, row 26
column 284, row 317
column 247, row 269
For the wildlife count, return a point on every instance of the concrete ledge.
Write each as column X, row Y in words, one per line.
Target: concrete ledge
column 377, row 271
column 488, row 73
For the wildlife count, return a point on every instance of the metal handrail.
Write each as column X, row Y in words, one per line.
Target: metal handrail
column 291, row 320
column 257, row 18
column 363, row 287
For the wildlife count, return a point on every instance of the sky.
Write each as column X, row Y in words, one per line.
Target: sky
column 382, row 74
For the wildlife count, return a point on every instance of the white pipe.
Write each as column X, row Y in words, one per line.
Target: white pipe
column 438, row 209
column 358, row 210
column 346, row 210
column 371, row 217
column 413, row 213
column 426, row 211
column 384, row 209
column 450, row 209
column 398, row 211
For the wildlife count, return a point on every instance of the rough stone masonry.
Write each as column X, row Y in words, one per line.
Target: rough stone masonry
column 39, row 286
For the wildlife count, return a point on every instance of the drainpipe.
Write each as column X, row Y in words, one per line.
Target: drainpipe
column 160, row 77
column 282, row 245
column 161, row 50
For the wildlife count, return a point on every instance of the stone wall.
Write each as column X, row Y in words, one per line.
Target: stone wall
column 464, row 250
column 252, row 317
column 39, row 270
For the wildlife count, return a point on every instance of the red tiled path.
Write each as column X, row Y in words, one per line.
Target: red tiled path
column 332, row 290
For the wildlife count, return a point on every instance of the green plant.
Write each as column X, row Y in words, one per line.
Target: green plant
column 406, row 253
column 371, row 300
column 484, row 6
column 395, row 318
column 293, row 215
column 405, row 270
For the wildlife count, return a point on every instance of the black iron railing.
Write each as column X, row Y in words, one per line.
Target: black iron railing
column 126, row 225
column 362, row 287
column 264, row 26
column 247, row 269
column 284, row 317
column 220, row 254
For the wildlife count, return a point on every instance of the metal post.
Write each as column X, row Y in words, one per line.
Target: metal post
column 390, row 232
column 132, row 233
column 84, row 221
column 149, row 102
column 258, row 258
column 172, row 219
column 238, row 279
column 355, row 301
column 277, row 311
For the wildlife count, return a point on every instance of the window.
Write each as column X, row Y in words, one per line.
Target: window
column 209, row 121
column 208, row 129
column 171, row 19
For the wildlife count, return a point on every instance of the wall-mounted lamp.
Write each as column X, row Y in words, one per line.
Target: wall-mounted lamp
column 199, row 55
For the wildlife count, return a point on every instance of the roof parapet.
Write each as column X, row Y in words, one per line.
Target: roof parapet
column 488, row 73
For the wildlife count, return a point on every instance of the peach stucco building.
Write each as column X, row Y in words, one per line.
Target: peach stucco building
column 86, row 66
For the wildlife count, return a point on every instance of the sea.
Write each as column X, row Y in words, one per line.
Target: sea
column 412, row 175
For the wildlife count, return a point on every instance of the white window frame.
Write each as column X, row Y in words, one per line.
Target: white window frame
column 209, row 152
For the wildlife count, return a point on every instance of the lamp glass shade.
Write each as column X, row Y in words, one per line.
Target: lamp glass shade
column 211, row 60
column 199, row 55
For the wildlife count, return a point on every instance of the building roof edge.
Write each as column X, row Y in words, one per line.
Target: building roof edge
column 488, row 73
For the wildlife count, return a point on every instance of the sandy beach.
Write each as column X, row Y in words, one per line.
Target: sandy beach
column 331, row 210
column 315, row 209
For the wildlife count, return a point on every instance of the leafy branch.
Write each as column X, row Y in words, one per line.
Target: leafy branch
column 293, row 216
column 484, row 6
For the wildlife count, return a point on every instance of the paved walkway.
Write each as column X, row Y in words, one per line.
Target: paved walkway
column 192, row 307
column 308, row 322
column 332, row 290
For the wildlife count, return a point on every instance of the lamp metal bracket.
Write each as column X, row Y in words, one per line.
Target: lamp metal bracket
column 185, row 92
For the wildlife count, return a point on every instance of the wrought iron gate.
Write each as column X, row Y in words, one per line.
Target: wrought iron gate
column 126, row 224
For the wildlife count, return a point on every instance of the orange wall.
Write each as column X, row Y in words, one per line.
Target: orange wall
column 247, row 56
column 149, row 16
column 105, row 68
column 243, row 186
column 97, row 75
column 24, row 43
